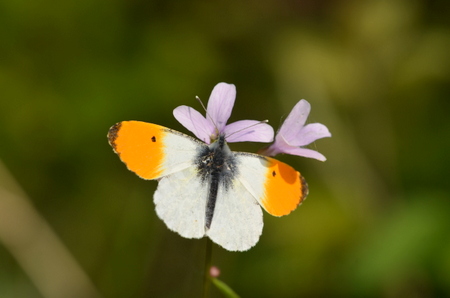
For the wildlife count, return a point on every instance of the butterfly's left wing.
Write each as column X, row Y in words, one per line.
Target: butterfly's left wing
column 153, row 151
column 156, row 152
column 180, row 201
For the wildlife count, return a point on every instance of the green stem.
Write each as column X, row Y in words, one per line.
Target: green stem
column 206, row 279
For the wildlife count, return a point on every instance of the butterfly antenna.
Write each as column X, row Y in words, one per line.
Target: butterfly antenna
column 201, row 103
column 260, row 122
column 206, row 111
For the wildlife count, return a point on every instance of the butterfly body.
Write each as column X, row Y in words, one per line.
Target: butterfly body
column 216, row 167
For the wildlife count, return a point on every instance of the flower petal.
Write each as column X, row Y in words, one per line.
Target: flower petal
column 310, row 133
column 304, row 152
column 248, row 131
column 295, row 120
column 220, row 104
column 195, row 122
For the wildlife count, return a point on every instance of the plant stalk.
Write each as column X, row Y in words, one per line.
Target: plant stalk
column 206, row 277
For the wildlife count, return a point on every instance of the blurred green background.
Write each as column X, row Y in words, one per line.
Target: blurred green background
column 75, row 223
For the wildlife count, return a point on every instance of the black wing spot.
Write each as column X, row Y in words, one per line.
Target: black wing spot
column 274, row 173
column 153, row 139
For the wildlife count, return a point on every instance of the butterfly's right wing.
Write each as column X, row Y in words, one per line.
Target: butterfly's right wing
column 259, row 181
column 152, row 151
column 277, row 187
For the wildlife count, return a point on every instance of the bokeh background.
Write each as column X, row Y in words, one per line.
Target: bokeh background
column 75, row 223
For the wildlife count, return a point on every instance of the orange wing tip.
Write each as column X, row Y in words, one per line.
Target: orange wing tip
column 140, row 146
column 113, row 134
column 304, row 189
column 285, row 189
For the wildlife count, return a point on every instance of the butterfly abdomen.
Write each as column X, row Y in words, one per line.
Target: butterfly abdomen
column 216, row 167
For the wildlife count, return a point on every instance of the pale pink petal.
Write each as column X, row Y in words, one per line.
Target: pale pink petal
column 278, row 147
column 248, row 131
column 304, row 152
column 293, row 134
column 195, row 122
column 221, row 103
column 309, row 134
column 295, row 120
column 271, row 150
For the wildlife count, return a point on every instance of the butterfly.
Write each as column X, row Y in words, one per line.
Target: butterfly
column 207, row 189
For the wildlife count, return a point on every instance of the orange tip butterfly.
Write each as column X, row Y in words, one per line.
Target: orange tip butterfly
column 208, row 190
column 204, row 188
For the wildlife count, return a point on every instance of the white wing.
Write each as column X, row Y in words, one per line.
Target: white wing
column 261, row 181
column 252, row 173
column 238, row 220
column 180, row 151
column 180, row 201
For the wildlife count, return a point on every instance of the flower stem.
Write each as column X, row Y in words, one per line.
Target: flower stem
column 206, row 279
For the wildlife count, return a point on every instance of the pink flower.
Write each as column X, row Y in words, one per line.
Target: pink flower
column 294, row 134
column 214, row 271
column 219, row 108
